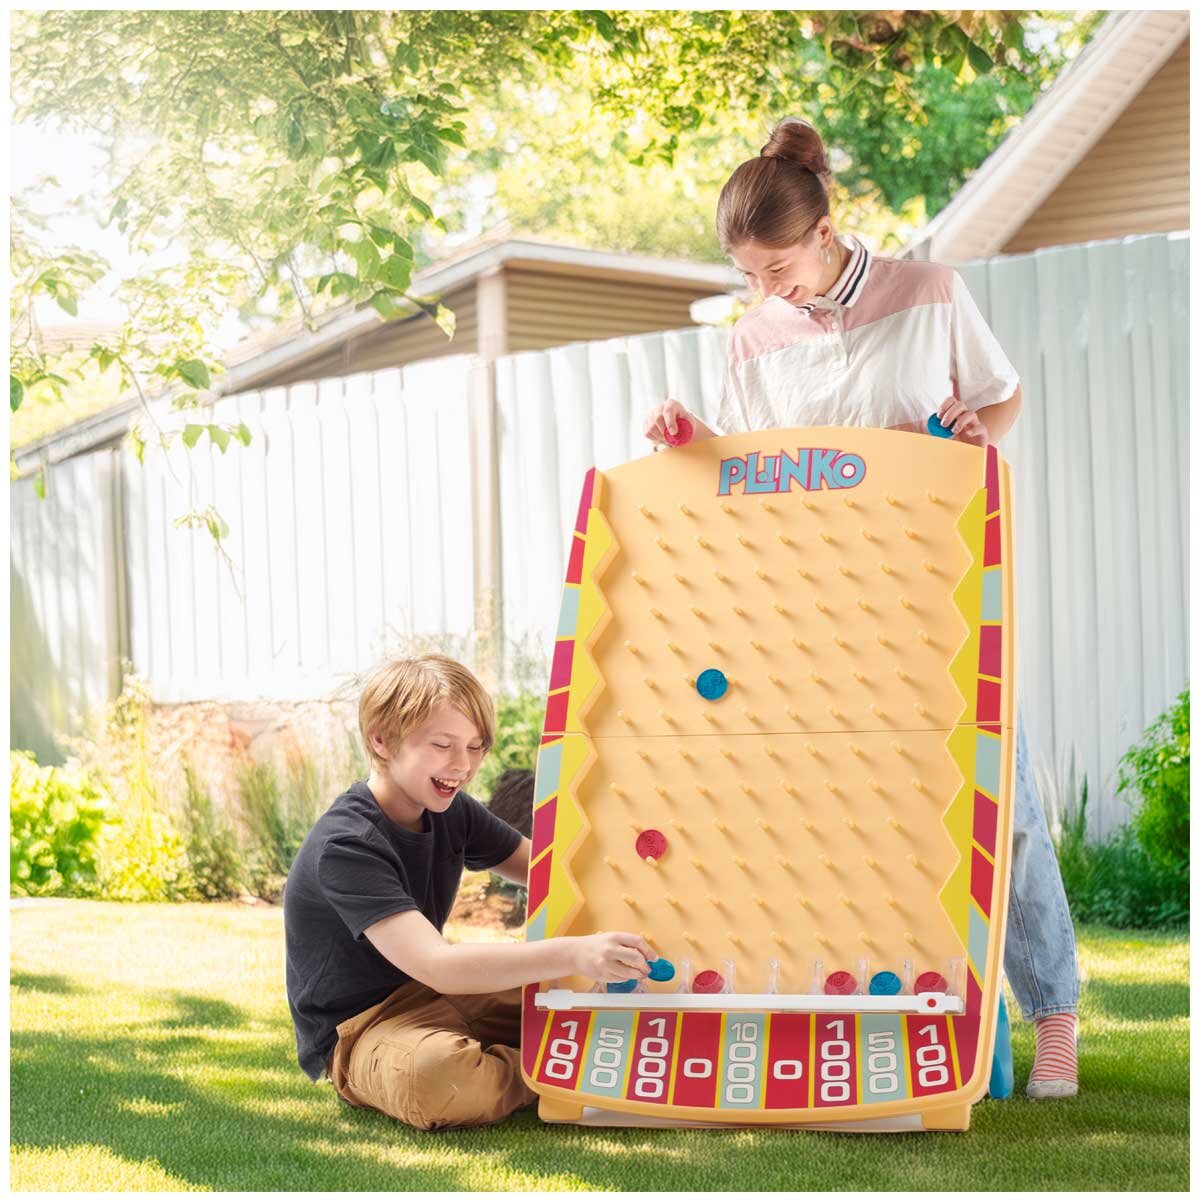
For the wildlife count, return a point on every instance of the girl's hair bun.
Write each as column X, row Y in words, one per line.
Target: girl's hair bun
column 795, row 141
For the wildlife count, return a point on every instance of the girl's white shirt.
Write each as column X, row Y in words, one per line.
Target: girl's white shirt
column 891, row 341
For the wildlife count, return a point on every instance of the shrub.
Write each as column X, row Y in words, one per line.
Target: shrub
column 57, row 817
column 1156, row 771
column 143, row 858
column 1114, row 881
column 519, row 719
column 211, row 845
column 278, row 815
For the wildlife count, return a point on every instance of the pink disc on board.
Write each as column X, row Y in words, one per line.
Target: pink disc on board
column 683, row 432
column 708, row 983
column 651, row 844
column 841, row 983
column 931, row 981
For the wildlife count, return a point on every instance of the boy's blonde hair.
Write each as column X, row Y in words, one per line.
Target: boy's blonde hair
column 399, row 695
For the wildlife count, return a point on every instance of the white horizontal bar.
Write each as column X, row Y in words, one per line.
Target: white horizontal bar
column 924, row 1002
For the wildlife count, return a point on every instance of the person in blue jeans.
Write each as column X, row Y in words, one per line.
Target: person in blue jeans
column 844, row 337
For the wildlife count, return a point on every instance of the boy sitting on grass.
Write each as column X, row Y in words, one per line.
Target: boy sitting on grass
column 398, row 1018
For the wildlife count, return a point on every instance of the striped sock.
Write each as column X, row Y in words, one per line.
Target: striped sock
column 1055, row 1057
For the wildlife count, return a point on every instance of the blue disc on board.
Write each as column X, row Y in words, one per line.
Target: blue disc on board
column 626, row 985
column 712, row 684
column 884, row 983
column 935, row 426
column 661, row 970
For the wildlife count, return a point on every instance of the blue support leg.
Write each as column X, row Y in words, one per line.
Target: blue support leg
column 1000, row 1084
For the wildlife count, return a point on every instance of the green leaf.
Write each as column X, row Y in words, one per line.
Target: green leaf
column 139, row 444
column 979, row 58
column 446, row 320
column 453, row 136
column 191, row 435
column 420, row 207
column 295, row 138
column 243, row 434
column 39, row 482
column 216, row 526
column 396, row 272
column 66, row 301
column 219, row 437
column 195, row 372
column 16, row 393
column 406, row 57
column 341, row 283
column 365, row 256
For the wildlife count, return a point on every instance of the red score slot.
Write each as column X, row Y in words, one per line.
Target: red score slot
column 697, row 1063
column 789, row 1062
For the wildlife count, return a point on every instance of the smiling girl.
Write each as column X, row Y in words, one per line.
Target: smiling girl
column 844, row 337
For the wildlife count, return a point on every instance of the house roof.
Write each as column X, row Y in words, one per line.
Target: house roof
column 1053, row 137
column 290, row 343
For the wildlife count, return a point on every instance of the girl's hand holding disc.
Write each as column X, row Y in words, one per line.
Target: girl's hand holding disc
column 669, row 424
column 965, row 422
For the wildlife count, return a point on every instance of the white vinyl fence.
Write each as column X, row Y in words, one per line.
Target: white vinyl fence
column 351, row 514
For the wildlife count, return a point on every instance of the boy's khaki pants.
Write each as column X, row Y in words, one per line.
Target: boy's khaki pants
column 434, row 1061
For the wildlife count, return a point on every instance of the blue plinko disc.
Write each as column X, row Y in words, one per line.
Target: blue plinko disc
column 661, row 970
column 885, row 983
column 626, row 985
column 712, row 684
column 935, row 426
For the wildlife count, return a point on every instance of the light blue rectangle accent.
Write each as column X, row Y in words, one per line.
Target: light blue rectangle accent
column 746, row 1085
column 568, row 614
column 615, row 1053
column 987, row 764
column 992, row 608
column 889, row 1041
column 977, row 941
column 535, row 931
column 549, row 768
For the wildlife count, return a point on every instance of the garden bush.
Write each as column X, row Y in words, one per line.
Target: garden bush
column 143, row 856
column 519, row 720
column 57, row 818
column 211, row 844
column 1114, row 881
column 1156, row 774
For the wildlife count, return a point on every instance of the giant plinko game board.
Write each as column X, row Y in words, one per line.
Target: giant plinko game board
column 779, row 744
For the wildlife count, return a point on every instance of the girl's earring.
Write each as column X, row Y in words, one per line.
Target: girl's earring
column 827, row 256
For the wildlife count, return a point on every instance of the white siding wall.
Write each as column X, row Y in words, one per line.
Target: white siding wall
column 351, row 513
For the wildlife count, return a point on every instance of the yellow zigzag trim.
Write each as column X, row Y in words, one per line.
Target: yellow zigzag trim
column 571, row 826
column 964, row 670
column 599, row 550
column 968, row 598
column 563, row 897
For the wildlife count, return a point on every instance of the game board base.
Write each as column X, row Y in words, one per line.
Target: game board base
column 602, row 1118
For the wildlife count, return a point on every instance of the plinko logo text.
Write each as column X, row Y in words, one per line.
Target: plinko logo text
column 811, row 470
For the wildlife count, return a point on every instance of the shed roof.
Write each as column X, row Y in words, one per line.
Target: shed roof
column 1052, row 138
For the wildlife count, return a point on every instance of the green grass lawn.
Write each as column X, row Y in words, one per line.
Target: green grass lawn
column 152, row 1049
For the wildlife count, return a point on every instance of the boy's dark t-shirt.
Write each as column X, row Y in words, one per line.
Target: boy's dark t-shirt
column 356, row 867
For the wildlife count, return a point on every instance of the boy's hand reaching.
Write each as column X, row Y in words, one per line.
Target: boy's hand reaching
column 613, row 957
column 965, row 422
